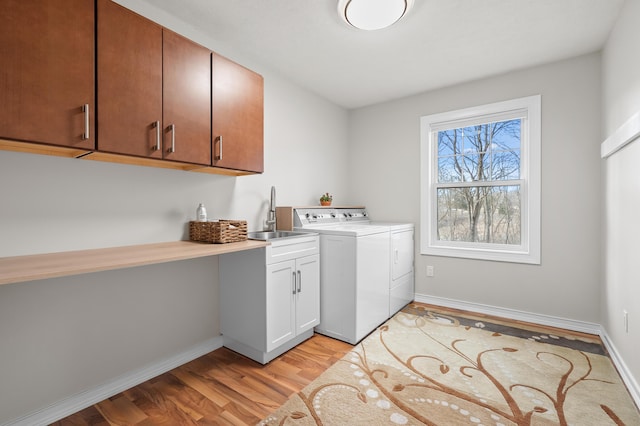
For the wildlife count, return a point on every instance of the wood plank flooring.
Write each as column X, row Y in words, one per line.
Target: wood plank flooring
column 220, row 388
column 224, row 388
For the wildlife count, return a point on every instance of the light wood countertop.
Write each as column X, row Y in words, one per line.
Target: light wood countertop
column 51, row 265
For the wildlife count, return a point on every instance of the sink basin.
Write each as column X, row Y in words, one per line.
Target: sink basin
column 274, row 235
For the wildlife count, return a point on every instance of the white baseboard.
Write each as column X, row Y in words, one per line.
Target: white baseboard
column 82, row 400
column 627, row 377
column 568, row 324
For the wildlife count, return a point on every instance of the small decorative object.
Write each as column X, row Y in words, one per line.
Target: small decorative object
column 201, row 213
column 326, row 199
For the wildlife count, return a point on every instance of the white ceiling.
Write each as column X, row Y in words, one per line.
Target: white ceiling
column 440, row 43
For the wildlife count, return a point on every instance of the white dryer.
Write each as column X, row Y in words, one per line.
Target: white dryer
column 402, row 277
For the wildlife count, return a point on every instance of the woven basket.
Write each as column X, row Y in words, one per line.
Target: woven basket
column 223, row 231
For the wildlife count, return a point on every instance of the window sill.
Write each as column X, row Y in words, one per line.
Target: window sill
column 483, row 254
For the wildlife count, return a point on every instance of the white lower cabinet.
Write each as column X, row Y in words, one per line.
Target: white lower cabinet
column 270, row 297
column 293, row 299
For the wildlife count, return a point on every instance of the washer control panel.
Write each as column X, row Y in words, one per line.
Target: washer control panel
column 324, row 216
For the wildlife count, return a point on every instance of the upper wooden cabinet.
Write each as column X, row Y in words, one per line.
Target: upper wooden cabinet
column 93, row 79
column 47, row 82
column 154, row 89
column 129, row 82
column 238, row 116
column 187, row 99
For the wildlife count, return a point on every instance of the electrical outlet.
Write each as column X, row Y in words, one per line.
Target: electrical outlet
column 430, row 272
column 625, row 315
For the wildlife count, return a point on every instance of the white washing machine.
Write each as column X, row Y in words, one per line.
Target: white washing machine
column 355, row 269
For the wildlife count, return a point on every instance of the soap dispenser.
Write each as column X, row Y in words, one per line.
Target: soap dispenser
column 201, row 213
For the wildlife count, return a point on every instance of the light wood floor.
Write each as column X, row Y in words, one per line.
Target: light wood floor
column 224, row 388
column 220, row 388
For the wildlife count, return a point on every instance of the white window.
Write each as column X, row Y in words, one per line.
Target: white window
column 480, row 188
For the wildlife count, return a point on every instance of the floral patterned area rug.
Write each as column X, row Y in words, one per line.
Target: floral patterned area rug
column 426, row 367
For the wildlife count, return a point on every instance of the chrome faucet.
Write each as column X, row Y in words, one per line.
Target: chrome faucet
column 271, row 218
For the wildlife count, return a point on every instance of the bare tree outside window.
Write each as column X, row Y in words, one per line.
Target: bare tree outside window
column 478, row 188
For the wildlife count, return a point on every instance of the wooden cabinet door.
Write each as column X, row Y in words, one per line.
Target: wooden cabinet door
column 129, row 82
column 47, row 72
column 238, row 116
column 186, row 100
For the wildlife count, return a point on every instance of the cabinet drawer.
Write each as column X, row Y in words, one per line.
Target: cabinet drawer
column 283, row 250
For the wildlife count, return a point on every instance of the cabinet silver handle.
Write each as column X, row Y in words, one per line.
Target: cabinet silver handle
column 156, row 124
column 85, row 109
column 219, row 156
column 294, row 282
column 172, row 129
column 299, row 282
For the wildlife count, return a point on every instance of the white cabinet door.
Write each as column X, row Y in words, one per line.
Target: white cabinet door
column 308, row 293
column 293, row 299
column 281, row 297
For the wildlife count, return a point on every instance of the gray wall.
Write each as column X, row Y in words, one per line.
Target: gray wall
column 64, row 336
column 384, row 167
column 621, row 230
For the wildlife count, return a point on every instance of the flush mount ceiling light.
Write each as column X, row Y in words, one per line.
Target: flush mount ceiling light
column 373, row 14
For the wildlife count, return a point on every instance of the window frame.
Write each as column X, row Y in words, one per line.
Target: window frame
column 528, row 251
